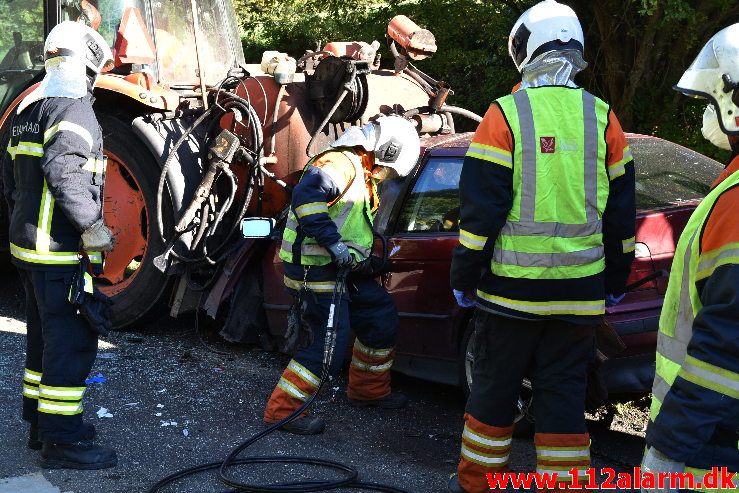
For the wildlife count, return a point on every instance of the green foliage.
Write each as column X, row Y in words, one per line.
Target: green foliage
column 637, row 49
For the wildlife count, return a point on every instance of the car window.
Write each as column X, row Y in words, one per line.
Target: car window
column 433, row 204
column 667, row 173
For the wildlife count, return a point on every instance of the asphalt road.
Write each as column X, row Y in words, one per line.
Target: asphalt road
column 173, row 403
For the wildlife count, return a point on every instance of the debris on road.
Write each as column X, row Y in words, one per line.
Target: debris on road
column 104, row 413
column 99, row 378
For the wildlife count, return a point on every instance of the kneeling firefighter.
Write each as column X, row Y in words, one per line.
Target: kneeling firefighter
column 329, row 228
column 53, row 173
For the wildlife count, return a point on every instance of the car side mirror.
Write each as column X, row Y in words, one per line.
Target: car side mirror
column 257, row 227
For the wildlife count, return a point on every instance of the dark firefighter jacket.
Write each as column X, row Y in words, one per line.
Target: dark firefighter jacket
column 695, row 403
column 489, row 185
column 53, row 172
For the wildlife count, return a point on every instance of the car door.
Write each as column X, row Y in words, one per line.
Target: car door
column 425, row 231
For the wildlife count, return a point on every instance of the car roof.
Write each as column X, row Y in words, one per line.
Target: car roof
column 457, row 144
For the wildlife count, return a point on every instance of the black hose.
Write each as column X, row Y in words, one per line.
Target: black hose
column 349, row 481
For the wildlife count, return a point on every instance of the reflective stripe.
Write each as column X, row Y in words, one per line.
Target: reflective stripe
column 491, row 154
column 303, row 373
column 709, row 261
column 373, row 368
column 526, row 259
column 590, row 155
column 528, row 155
column 485, row 440
column 562, row 478
column 482, row 458
column 472, row 241
column 619, row 168
column 51, row 257
column 45, row 213
column 547, row 307
column 30, row 391
column 62, row 393
column 710, row 376
column 560, row 454
column 314, row 250
column 317, row 286
column 95, row 165
column 629, row 245
column 53, row 407
column 69, row 127
column 29, row 149
column 373, row 353
column 32, row 376
column 12, row 150
column 561, row 230
column 291, row 389
column 312, row 208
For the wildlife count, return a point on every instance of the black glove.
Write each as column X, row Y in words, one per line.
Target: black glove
column 373, row 267
column 340, row 254
column 92, row 304
column 97, row 311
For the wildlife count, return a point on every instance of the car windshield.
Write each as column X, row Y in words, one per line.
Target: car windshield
column 666, row 173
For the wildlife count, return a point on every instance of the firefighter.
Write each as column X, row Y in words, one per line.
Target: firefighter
column 329, row 228
column 694, row 422
column 547, row 216
column 53, row 174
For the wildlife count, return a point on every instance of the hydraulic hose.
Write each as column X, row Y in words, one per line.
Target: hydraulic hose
column 350, row 479
column 461, row 112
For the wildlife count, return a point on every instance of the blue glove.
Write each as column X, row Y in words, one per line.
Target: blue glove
column 463, row 300
column 612, row 300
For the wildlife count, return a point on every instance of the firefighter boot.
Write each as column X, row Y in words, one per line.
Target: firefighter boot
column 296, row 384
column 395, row 400
column 485, row 449
column 453, row 485
column 88, row 433
column 77, row 455
column 305, row 425
column 369, row 378
column 551, row 459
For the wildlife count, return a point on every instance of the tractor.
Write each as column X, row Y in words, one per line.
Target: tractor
column 197, row 139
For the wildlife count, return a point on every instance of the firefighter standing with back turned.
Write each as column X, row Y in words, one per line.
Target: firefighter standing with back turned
column 53, row 175
column 694, row 422
column 547, row 211
column 329, row 227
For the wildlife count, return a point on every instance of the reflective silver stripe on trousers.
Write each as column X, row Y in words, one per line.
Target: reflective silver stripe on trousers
column 523, row 259
column 528, row 155
column 560, row 230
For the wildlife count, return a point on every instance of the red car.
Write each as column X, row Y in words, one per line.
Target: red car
column 419, row 217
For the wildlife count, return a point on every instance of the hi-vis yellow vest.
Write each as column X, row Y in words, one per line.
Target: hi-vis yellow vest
column 351, row 213
column 560, row 185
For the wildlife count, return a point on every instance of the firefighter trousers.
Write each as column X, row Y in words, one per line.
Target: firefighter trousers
column 555, row 356
column 60, row 352
column 369, row 311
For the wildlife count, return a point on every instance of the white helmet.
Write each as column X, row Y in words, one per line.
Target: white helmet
column 393, row 140
column 714, row 75
column 72, row 51
column 547, row 26
column 76, row 40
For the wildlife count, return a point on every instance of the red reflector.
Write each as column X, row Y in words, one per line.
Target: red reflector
column 133, row 43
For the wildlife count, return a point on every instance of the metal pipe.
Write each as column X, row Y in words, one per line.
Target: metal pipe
column 196, row 32
column 462, row 112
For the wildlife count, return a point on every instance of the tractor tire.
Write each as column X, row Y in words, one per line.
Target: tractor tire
column 130, row 278
column 523, row 421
